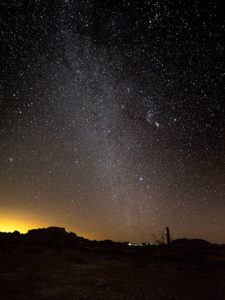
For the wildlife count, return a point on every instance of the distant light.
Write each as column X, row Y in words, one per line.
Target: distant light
column 141, row 179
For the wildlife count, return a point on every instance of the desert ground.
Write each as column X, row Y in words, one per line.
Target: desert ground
column 100, row 272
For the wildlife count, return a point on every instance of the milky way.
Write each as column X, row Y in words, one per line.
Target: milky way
column 112, row 117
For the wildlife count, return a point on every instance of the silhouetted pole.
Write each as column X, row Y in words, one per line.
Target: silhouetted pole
column 168, row 235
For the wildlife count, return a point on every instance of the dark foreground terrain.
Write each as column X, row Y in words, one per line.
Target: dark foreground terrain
column 107, row 271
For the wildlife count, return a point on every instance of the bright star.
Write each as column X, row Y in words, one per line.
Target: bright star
column 157, row 124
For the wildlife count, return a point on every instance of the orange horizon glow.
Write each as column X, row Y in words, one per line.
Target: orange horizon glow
column 21, row 228
column 20, row 221
column 9, row 224
column 22, row 224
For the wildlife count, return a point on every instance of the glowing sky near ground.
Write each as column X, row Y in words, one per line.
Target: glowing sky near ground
column 112, row 118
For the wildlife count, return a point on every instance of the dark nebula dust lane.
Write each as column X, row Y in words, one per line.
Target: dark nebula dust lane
column 112, row 118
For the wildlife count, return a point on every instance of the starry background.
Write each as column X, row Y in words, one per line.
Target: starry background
column 112, row 119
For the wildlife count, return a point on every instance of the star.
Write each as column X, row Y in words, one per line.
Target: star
column 157, row 124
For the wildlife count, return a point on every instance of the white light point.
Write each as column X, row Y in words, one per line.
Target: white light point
column 157, row 124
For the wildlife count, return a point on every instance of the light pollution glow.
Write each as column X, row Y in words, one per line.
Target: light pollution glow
column 22, row 223
column 10, row 224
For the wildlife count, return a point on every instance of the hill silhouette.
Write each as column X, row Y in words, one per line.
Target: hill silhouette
column 191, row 242
column 59, row 234
column 53, row 236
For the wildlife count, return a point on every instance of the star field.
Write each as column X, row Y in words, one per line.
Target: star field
column 112, row 117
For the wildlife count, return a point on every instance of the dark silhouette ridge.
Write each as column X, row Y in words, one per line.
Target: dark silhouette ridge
column 52, row 233
column 51, row 236
column 190, row 242
column 55, row 234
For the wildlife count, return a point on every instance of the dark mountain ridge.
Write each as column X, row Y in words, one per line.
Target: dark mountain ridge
column 53, row 234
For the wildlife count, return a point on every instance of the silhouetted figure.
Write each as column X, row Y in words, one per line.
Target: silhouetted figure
column 168, row 235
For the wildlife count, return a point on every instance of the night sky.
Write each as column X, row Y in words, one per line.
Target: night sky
column 112, row 118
